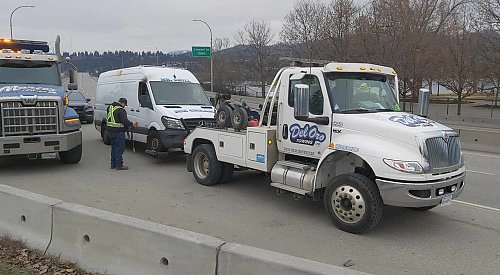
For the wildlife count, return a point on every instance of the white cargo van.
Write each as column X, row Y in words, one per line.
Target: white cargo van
column 167, row 104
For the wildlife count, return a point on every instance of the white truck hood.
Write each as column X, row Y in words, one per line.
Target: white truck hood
column 187, row 111
column 399, row 126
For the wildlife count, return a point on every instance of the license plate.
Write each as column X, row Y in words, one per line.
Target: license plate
column 446, row 200
column 48, row 156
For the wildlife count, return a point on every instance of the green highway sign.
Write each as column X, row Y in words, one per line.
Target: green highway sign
column 201, row 51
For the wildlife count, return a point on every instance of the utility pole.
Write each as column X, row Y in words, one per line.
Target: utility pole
column 20, row 7
column 211, row 55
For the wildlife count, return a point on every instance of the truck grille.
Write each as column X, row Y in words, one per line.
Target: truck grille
column 442, row 154
column 28, row 120
column 192, row 123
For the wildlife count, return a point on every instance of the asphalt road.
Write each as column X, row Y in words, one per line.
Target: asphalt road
column 456, row 239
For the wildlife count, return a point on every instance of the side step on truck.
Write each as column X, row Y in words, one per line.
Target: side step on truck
column 336, row 133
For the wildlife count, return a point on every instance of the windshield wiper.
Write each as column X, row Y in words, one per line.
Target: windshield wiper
column 384, row 110
column 355, row 111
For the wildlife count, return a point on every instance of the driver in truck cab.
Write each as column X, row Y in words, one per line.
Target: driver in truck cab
column 118, row 124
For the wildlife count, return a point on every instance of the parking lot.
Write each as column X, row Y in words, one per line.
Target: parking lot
column 455, row 239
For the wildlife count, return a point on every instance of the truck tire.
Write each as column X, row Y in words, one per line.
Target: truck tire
column 72, row 156
column 223, row 116
column 227, row 172
column 239, row 118
column 353, row 203
column 154, row 141
column 207, row 169
column 422, row 209
column 105, row 135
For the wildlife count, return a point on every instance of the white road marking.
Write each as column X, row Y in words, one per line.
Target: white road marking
column 479, row 172
column 481, row 155
column 478, row 206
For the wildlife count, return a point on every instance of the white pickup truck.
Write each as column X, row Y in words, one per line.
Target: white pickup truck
column 337, row 133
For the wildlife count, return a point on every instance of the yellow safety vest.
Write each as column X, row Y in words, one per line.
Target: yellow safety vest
column 111, row 122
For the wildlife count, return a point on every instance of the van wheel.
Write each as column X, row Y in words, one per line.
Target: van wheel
column 105, row 135
column 353, row 203
column 154, row 141
column 207, row 169
column 72, row 156
column 227, row 172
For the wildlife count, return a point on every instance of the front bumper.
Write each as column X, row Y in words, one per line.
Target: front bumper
column 22, row 145
column 86, row 116
column 173, row 138
column 419, row 194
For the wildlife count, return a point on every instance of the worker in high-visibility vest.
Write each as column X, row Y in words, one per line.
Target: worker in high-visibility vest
column 117, row 125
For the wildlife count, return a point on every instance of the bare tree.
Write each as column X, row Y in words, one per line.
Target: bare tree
column 459, row 60
column 304, row 27
column 402, row 34
column 257, row 36
column 339, row 27
column 223, row 64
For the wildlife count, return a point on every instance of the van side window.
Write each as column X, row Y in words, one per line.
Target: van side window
column 143, row 92
column 315, row 93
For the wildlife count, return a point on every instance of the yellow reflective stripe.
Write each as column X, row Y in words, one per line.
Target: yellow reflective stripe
column 111, row 122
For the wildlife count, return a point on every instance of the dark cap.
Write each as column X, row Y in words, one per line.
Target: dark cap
column 123, row 100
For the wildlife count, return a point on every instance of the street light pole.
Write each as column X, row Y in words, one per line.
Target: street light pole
column 20, row 7
column 156, row 52
column 211, row 55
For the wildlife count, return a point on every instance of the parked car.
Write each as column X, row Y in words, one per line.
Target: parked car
column 81, row 105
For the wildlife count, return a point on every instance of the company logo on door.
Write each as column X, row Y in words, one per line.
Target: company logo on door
column 309, row 135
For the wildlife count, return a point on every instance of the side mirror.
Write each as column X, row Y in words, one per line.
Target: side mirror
column 73, row 79
column 87, row 99
column 423, row 100
column 301, row 101
column 72, row 86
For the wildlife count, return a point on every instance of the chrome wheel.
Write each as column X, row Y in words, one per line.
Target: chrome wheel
column 201, row 165
column 348, row 204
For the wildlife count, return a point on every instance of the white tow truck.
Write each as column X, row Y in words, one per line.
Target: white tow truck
column 336, row 132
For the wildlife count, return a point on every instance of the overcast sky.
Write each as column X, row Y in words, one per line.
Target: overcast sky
column 132, row 25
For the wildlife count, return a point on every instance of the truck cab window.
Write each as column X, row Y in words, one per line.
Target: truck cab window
column 315, row 94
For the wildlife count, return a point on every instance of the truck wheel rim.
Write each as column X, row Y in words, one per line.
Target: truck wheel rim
column 201, row 165
column 348, row 204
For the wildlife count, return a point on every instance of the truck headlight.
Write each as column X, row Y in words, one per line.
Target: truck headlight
column 172, row 123
column 405, row 166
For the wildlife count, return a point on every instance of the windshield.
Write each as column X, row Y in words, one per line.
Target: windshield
column 178, row 93
column 360, row 92
column 76, row 96
column 30, row 73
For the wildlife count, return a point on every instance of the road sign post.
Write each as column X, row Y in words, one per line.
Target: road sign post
column 201, row 51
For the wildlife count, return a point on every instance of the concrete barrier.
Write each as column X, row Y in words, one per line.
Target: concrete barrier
column 26, row 216
column 481, row 122
column 480, row 140
column 115, row 244
column 246, row 260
